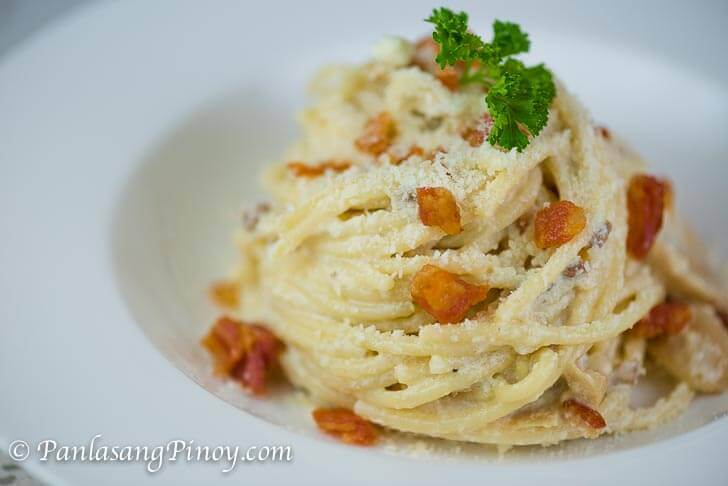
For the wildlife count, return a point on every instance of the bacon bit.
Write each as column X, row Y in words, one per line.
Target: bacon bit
column 444, row 295
column 587, row 414
column 437, row 207
column 604, row 132
column 225, row 294
column 245, row 352
column 397, row 159
column 426, row 49
column 667, row 318
column 449, row 77
column 346, row 426
column 416, row 150
column 261, row 358
column 557, row 224
column 645, row 204
column 475, row 136
column 227, row 344
column 301, row 169
column 378, row 134
column 251, row 216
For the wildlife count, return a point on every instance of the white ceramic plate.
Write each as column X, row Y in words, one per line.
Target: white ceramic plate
column 130, row 134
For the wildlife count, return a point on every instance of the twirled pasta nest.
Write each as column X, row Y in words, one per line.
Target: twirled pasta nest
column 541, row 347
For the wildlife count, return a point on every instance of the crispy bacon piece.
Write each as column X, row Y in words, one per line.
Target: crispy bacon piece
column 645, row 205
column 243, row 351
column 437, row 207
column 227, row 344
column 666, row 318
column 225, row 294
column 476, row 135
column 426, row 49
column 301, row 169
column 449, row 77
column 584, row 412
column 558, row 223
column 346, row 426
column 262, row 358
column 398, row 158
column 378, row 134
column 444, row 295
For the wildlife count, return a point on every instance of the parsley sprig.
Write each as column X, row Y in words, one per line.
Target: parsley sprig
column 518, row 97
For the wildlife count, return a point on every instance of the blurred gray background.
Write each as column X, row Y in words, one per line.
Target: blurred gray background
column 657, row 25
column 20, row 18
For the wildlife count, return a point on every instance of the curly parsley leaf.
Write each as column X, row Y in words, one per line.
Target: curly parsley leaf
column 519, row 104
column 451, row 33
column 518, row 97
column 509, row 39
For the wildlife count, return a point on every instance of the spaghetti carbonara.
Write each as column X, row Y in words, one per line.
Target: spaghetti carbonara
column 509, row 339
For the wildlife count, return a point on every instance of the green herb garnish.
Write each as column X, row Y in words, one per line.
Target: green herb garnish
column 518, row 97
